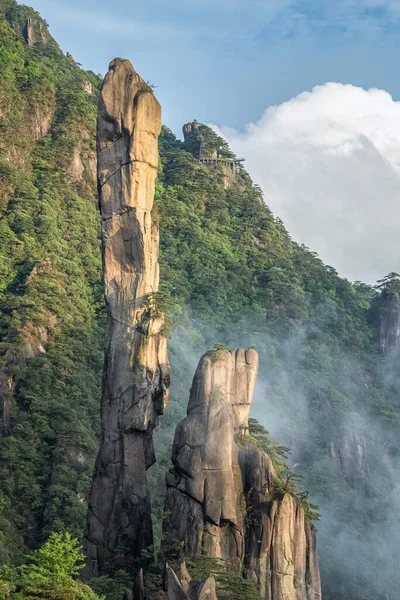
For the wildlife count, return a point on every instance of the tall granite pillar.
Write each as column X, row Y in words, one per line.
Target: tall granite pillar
column 204, row 488
column 221, row 501
column 136, row 369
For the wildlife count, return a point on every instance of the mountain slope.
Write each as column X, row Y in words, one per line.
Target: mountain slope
column 327, row 390
column 229, row 273
column 51, row 344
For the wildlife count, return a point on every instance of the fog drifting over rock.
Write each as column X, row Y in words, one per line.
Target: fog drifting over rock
column 328, row 162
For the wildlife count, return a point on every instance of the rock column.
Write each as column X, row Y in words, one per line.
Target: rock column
column 221, row 499
column 136, row 371
column 204, row 489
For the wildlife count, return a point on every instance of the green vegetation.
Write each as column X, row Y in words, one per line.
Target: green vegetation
column 230, row 276
column 112, row 588
column 286, row 481
column 212, row 141
column 50, row 294
column 49, row 573
column 228, row 585
column 216, row 353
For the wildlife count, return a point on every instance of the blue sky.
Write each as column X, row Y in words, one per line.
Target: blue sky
column 225, row 61
column 327, row 155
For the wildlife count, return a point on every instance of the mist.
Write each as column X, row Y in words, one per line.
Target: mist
column 349, row 463
column 316, row 399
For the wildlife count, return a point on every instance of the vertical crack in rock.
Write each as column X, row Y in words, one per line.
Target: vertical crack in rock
column 204, row 490
column 220, row 498
column 136, row 371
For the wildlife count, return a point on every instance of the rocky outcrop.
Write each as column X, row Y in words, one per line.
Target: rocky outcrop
column 210, row 149
column 280, row 549
column 76, row 168
column 30, row 342
column 350, row 453
column 185, row 589
column 7, row 385
column 136, row 373
column 384, row 313
column 388, row 321
column 204, row 490
column 92, row 165
column 229, row 174
column 41, row 119
column 35, row 32
column 194, row 141
column 221, row 500
column 87, row 87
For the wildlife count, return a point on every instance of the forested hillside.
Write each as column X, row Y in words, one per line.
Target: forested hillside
column 230, row 274
column 328, row 356
column 50, row 293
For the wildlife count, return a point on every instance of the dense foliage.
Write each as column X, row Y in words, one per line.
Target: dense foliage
column 50, row 331
column 228, row 586
column 230, row 274
column 325, row 389
column 49, row 573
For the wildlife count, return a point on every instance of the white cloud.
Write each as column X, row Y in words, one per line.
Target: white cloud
column 329, row 164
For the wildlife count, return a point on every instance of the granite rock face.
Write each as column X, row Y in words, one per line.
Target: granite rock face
column 76, row 168
column 281, row 550
column 184, row 589
column 388, row 321
column 136, row 373
column 351, row 452
column 35, row 32
column 40, row 121
column 220, row 497
column 204, row 488
column 195, row 144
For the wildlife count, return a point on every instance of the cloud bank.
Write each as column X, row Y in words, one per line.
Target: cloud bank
column 328, row 162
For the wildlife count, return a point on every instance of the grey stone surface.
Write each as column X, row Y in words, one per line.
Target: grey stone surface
column 183, row 590
column 136, row 371
column 173, row 586
column 389, row 322
column 220, row 498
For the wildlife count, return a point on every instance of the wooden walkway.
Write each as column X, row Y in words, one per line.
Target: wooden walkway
column 231, row 161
